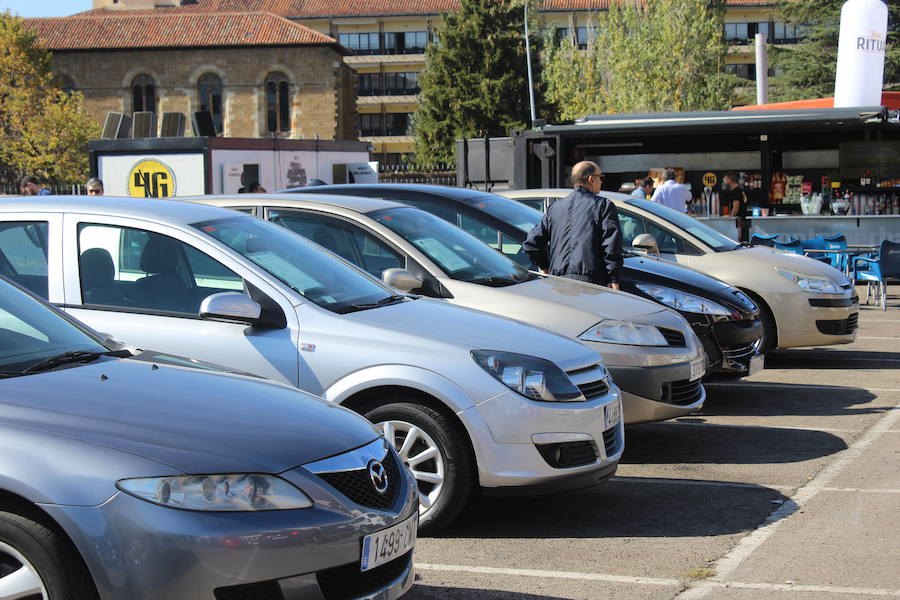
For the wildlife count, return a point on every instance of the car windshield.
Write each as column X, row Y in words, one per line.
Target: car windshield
column 509, row 211
column 31, row 333
column 306, row 268
column 460, row 255
column 704, row 233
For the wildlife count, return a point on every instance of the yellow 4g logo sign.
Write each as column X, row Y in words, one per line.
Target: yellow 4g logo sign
column 151, row 178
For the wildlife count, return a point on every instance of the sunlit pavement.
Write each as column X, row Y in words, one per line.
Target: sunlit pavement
column 786, row 485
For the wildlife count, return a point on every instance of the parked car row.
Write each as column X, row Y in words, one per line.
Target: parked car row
column 413, row 306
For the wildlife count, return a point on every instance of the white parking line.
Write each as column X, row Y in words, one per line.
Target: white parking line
column 729, row 563
column 815, row 589
column 608, row 578
column 700, row 482
column 877, row 338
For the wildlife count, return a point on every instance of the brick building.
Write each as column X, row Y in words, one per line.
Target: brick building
column 259, row 74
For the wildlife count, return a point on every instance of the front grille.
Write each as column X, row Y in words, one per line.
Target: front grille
column 357, row 484
column 840, row 326
column 738, row 351
column 611, row 440
column 594, row 389
column 673, row 337
column 833, row 302
column 347, row 581
column 682, row 392
column 264, row 590
column 568, row 454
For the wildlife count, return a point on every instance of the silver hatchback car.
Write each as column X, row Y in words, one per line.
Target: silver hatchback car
column 146, row 476
column 466, row 398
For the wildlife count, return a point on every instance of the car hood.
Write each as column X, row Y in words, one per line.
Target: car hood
column 787, row 260
column 681, row 275
column 410, row 322
column 757, row 257
column 564, row 305
column 195, row 421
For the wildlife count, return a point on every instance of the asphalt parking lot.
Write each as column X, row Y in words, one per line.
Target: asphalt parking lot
column 785, row 486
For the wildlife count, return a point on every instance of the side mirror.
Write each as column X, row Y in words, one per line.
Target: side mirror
column 646, row 243
column 230, row 306
column 401, row 279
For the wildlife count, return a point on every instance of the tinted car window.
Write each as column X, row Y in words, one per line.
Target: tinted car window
column 701, row 231
column 122, row 267
column 23, row 254
column 342, row 238
column 460, row 256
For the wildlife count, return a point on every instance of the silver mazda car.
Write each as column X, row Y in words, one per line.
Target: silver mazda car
column 130, row 475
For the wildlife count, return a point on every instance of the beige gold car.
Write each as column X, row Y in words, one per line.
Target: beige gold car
column 804, row 302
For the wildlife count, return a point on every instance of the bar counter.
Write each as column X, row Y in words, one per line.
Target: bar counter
column 858, row 229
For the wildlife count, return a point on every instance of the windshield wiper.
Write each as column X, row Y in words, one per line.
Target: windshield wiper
column 75, row 356
column 393, row 299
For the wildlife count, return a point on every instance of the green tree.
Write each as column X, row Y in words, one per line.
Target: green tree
column 44, row 129
column 663, row 55
column 475, row 82
column 807, row 69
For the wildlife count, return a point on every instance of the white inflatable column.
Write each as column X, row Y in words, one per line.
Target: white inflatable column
column 860, row 65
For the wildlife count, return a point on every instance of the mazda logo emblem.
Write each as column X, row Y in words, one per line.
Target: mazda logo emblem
column 378, row 475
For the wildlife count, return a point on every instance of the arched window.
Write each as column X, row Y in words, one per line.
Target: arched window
column 278, row 103
column 209, row 88
column 143, row 94
column 65, row 83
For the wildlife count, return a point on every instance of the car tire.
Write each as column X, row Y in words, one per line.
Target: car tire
column 767, row 341
column 53, row 568
column 446, row 479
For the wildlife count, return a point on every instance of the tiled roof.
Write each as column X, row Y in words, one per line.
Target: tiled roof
column 305, row 9
column 171, row 29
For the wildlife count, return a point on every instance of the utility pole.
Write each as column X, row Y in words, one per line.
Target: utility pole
column 528, row 59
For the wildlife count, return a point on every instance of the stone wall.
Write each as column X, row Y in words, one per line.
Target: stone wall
column 321, row 85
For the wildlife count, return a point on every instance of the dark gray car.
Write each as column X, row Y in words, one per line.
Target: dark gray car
column 136, row 475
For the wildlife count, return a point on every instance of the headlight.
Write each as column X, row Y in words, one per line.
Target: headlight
column 624, row 332
column 682, row 301
column 533, row 377
column 813, row 285
column 241, row 492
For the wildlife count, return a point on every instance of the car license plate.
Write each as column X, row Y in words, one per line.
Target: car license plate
column 698, row 368
column 613, row 412
column 756, row 364
column 387, row 544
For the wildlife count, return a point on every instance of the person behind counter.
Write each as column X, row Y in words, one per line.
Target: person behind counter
column 735, row 198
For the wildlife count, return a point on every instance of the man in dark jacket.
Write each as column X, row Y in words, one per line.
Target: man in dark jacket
column 579, row 236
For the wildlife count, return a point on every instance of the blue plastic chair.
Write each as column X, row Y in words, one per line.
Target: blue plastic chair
column 816, row 243
column 877, row 270
column 792, row 245
column 837, row 242
column 762, row 239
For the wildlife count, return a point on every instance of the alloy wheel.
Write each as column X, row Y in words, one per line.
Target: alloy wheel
column 421, row 454
column 19, row 580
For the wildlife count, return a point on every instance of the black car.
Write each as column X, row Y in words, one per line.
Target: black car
column 725, row 319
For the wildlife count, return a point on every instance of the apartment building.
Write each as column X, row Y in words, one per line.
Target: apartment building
column 387, row 39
